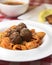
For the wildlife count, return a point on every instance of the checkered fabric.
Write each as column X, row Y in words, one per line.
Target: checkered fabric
column 45, row 61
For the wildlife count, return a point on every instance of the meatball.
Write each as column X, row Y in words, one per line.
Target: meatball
column 15, row 38
column 7, row 33
column 20, row 26
column 26, row 34
column 10, row 31
column 15, row 29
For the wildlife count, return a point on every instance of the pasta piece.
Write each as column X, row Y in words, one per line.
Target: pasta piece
column 39, row 43
column 36, row 38
column 5, row 42
column 33, row 31
column 1, row 35
column 5, row 34
column 23, row 47
column 13, row 27
column 16, row 47
column 40, row 34
column 31, row 45
column 24, row 42
column 11, row 46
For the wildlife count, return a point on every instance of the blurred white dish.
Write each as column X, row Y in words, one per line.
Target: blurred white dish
column 28, row 55
column 34, row 13
column 14, row 10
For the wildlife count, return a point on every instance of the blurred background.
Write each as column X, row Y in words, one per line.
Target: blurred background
column 38, row 2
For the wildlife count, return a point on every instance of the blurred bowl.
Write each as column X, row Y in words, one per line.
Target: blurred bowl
column 14, row 10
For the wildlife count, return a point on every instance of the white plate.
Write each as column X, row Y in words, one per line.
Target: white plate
column 28, row 55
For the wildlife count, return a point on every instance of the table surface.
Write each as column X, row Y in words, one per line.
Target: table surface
column 45, row 61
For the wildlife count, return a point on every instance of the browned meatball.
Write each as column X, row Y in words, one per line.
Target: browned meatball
column 15, row 38
column 26, row 34
column 10, row 31
column 20, row 26
column 15, row 29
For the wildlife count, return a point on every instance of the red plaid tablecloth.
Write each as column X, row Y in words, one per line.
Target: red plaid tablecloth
column 45, row 61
